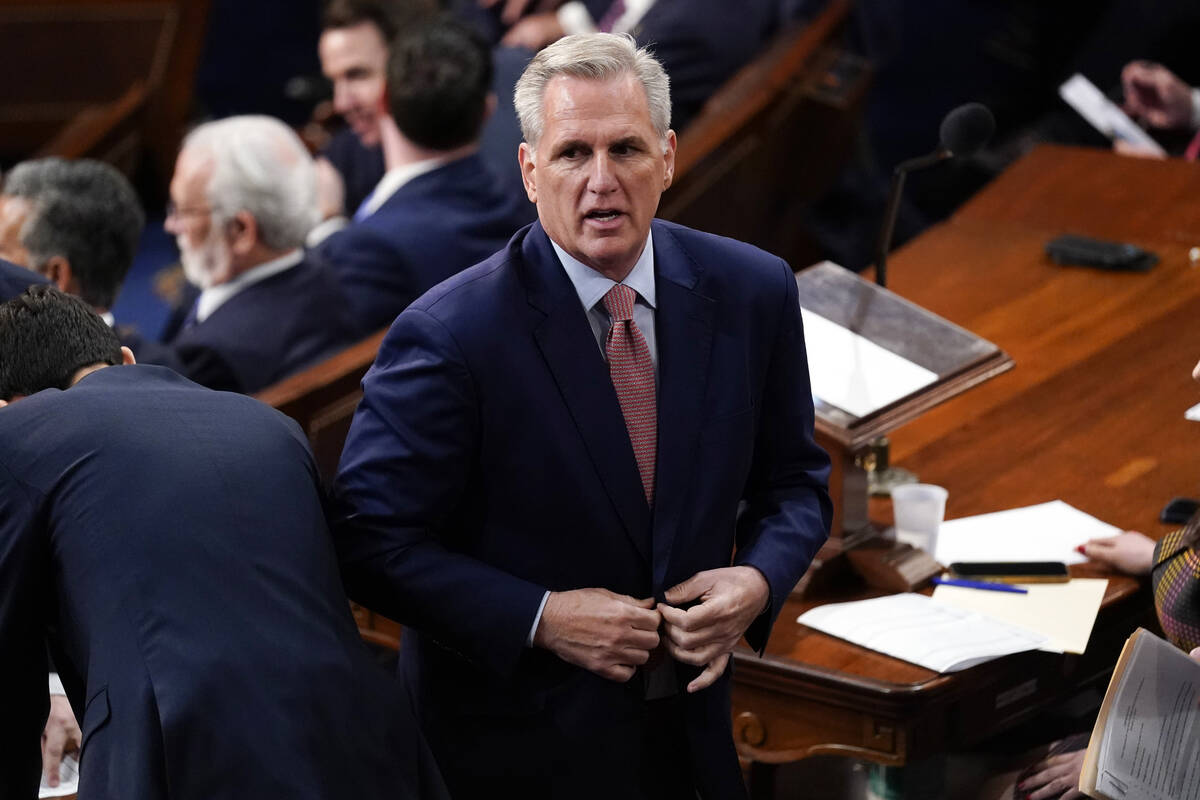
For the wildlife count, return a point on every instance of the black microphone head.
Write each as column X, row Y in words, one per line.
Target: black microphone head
column 966, row 129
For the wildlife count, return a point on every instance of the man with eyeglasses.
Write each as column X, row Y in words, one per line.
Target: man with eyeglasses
column 242, row 199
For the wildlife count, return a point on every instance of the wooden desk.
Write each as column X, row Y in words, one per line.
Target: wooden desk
column 1092, row 414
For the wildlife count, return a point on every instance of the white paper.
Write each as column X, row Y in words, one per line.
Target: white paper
column 1046, row 532
column 1193, row 413
column 913, row 628
column 68, row 779
column 1103, row 114
column 853, row 373
column 1150, row 747
column 1062, row 612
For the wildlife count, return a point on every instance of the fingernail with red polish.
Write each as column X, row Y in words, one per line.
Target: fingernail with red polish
column 1081, row 549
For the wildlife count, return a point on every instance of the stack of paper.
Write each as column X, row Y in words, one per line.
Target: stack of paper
column 1146, row 742
column 1064, row 613
column 914, row 628
column 1046, row 532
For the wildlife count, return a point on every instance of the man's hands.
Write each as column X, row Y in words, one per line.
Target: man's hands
column 1154, row 94
column 1130, row 552
column 603, row 632
column 60, row 736
column 703, row 635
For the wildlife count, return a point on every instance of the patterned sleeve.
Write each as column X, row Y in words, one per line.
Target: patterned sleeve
column 1176, row 580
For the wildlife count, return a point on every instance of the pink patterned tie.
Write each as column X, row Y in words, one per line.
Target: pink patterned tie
column 632, row 374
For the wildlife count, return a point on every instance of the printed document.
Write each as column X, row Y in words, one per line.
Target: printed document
column 1103, row 114
column 1146, row 742
column 914, row 628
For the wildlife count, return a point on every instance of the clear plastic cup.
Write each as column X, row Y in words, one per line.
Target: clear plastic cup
column 918, row 509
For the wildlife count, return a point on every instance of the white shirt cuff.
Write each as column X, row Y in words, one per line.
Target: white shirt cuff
column 574, row 18
column 537, row 618
column 56, row 686
column 1195, row 108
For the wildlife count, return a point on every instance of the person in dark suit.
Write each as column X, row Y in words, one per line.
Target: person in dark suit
column 701, row 43
column 15, row 279
column 243, row 197
column 356, row 36
column 171, row 541
column 578, row 545
column 439, row 209
column 79, row 224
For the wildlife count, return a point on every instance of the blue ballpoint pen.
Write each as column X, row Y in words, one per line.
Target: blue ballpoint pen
column 991, row 587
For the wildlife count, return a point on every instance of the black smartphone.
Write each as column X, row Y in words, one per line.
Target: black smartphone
column 1088, row 252
column 1178, row 511
column 1012, row 571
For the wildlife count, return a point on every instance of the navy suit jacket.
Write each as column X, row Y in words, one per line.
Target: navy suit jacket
column 267, row 331
column 14, row 279
column 489, row 461
column 175, row 539
column 435, row 225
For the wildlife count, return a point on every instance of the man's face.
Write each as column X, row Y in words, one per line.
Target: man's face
column 598, row 170
column 204, row 251
column 355, row 59
column 14, row 211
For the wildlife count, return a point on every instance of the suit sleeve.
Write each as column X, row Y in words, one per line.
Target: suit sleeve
column 409, row 458
column 371, row 274
column 22, row 641
column 787, row 514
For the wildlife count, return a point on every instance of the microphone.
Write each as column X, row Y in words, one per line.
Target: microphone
column 964, row 132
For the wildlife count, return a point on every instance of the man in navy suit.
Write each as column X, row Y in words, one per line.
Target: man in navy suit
column 439, row 209
column 171, row 542
column 79, row 224
column 578, row 545
column 242, row 199
column 701, row 43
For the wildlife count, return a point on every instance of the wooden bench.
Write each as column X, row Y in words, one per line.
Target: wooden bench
column 772, row 140
column 323, row 397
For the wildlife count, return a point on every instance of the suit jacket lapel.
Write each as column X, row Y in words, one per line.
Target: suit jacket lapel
column 570, row 350
column 684, row 322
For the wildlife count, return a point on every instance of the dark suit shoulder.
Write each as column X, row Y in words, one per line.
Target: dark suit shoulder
column 14, row 279
column 719, row 256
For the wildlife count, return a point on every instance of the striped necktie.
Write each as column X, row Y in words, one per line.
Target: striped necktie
column 632, row 373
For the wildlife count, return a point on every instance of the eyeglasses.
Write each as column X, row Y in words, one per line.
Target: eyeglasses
column 174, row 211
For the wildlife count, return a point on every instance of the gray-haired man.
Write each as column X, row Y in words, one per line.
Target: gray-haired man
column 243, row 197
column 584, row 468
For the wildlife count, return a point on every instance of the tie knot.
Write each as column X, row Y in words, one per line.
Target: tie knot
column 618, row 302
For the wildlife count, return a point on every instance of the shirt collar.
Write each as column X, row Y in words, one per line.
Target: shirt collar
column 591, row 286
column 214, row 297
column 395, row 178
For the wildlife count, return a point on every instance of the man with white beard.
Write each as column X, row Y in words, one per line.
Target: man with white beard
column 242, row 199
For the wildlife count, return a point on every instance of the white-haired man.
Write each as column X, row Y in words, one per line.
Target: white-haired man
column 242, row 199
column 544, row 520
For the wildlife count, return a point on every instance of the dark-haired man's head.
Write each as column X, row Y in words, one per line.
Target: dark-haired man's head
column 49, row 340
column 75, row 222
column 353, row 48
column 439, row 84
